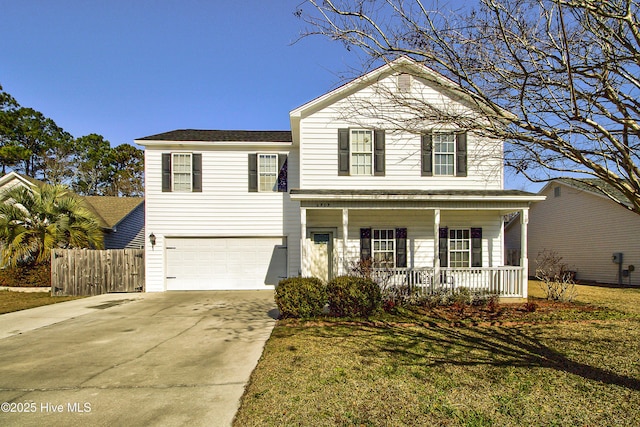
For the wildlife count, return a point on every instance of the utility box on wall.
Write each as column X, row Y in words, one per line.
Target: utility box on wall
column 617, row 258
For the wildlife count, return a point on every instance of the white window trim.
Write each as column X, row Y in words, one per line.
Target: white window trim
column 452, row 154
column 392, row 240
column 260, row 173
column 468, row 251
column 352, row 152
column 173, row 172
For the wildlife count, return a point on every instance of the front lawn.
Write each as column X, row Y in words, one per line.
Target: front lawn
column 15, row 301
column 565, row 369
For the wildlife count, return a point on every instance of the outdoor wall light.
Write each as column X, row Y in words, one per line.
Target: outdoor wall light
column 152, row 240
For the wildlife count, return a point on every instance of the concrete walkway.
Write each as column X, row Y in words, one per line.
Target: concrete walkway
column 169, row 359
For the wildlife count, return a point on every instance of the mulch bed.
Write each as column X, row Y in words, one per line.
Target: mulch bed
column 507, row 314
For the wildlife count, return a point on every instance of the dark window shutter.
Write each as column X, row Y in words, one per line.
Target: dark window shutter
column 378, row 153
column 166, row 172
column 365, row 244
column 444, row 246
column 476, row 247
column 461, row 154
column 343, row 151
column 253, row 173
column 427, row 155
column 282, row 173
column 401, row 247
column 196, row 173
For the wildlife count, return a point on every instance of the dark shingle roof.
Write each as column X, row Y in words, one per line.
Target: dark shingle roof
column 222, row 136
column 110, row 210
column 595, row 185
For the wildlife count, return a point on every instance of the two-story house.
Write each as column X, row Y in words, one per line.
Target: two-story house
column 360, row 178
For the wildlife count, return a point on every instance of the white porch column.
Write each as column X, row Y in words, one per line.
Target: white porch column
column 524, row 256
column 345, row 240
column 436, row 244
column 303, row 239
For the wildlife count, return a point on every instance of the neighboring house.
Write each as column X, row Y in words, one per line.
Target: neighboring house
column 243, row 209
column 121, row 218
column 586, row 229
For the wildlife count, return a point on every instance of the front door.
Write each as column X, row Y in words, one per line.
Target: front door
column 321, row 255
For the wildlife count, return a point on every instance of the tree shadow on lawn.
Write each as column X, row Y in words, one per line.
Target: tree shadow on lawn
column 462, row 346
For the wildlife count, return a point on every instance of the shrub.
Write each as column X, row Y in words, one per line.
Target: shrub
column 353, row 296
column 26, row 275
column 301, row 297
column 556, row 279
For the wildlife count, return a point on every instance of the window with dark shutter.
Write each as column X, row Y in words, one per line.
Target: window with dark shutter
column 343, row 152
column 253, row 173
column 378, row 153
column 282, row 173
column 461, row 154
column 476, row 247
column 401, row 247
column 196, row 173
column 427, row 155
column 365, row 244
column 166, row 172
column 443, row 246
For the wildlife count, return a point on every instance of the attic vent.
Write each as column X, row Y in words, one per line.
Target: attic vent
column 404, row 82
column 556, row 192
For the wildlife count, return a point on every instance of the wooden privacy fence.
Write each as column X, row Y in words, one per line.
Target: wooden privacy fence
column 92, row 272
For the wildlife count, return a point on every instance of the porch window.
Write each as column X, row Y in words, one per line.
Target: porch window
column 387, row 248
column 460, row 247
column 384, row 248
column 267, row 171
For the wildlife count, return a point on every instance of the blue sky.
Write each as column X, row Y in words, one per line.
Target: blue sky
column 129, row 69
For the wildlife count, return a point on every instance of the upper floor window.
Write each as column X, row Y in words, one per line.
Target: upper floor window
column 444, row 154
column 361, row 152
column 181, row 172
column 444, row 148
column 267, row 172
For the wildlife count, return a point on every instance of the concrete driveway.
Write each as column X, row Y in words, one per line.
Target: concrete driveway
column 170, row 359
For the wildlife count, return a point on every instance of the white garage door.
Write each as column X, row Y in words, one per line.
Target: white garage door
column 224, row 263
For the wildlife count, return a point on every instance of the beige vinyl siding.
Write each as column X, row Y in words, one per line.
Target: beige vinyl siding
column 319, row 155
column 585, row 229
column 224, row 208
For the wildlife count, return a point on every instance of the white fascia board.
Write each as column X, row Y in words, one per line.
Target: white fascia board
column 210, row 144
column 417, row 197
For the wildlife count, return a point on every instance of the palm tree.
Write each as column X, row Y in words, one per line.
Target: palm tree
column 33, row 221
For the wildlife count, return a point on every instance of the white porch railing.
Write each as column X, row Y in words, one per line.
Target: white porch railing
column 504, row 281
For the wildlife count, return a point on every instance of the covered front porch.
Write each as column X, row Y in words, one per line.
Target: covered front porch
column 420, row 242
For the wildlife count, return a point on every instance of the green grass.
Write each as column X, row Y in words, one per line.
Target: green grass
column 15, row 301
column 541, row 373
